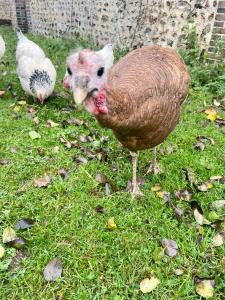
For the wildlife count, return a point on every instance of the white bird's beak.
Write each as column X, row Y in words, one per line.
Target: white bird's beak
column 79, row 95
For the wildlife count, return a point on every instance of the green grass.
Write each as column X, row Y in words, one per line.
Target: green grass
column 98, row 263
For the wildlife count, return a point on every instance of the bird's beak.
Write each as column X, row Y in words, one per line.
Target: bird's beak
column 79, row 95
column 41, row 98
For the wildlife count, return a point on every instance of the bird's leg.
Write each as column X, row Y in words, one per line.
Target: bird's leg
column 135, row 188
column 154, row 167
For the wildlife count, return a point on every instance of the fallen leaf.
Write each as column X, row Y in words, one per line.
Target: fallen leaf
column 178, row 272
column 108, row 189
column 17, row 243
column 42, row 182
column 100, row 209
column 55, row 150
column 218, row 205
column 75, row 121
column 199, row 218
column 5, row 161
column 111, row 224
column 179, row 212
column 170, row 246
column 216, row 103
column 147, row 285
column 22, row 103
column 80, row 160
column 63, row 173
column 156, row 188
column 9, row 235
column 36, row 120
column 183, row 195
column 53, row 270
column 34, row 135
column 205, row 288
column 2, row 93
column 16, row 262
column 190, row 176
column 211, row 114
column 17, row 109
column 51, row 124
column 2, row 251
column 204, row 187
column 164, row 195
column 218, row 240
column 24, row 224
column 200, row 145
column 220, row 122
column 101, row 178
column 215, row 178
column 14, row 150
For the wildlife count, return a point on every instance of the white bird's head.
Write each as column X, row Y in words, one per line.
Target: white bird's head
column 41, row 85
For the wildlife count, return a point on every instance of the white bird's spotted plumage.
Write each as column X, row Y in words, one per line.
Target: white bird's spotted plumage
column 36, row 72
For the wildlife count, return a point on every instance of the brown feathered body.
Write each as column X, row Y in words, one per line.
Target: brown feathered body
column 145, row 91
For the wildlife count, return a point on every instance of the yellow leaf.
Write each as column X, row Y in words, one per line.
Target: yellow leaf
column 22, row 103
column 211, row 114
column 160, row 194
column 147, row 285
column 205, row 289
column 156, row 188
column 16, row 109
column 201, row 230
column 111, row 224
column 209, row 185
column 8, row 235
column 2, row 251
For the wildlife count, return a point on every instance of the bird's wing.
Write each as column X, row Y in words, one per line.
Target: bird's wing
column 2, row 47
column 25, row 47
column 49, row 67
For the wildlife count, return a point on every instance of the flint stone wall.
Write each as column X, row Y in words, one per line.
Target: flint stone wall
column 5, row 11
column 126, row 23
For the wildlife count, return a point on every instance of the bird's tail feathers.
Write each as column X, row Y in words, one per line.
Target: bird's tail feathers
column 20, row 35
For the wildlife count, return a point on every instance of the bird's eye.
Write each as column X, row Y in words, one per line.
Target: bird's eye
column 69, row 71
column 100, row 72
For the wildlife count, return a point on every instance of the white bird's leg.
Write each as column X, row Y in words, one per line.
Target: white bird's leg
column 153, row 166
column 135, row 189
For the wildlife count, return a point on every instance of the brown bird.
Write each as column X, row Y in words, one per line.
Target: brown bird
column 139, row 98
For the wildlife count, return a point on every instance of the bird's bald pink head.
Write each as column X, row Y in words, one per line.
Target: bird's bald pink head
column 87, row 77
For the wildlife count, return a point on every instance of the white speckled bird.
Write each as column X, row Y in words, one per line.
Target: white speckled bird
column 2, row 47
column 36, row 72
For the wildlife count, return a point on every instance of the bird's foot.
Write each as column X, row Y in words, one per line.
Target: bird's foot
column 154, row 168
column 136, row 192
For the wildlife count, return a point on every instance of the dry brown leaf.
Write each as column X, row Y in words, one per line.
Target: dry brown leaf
column 2, row 93
column 199, row 218
column 42, row 182
column 51, row 124
column 170, row 246
column 205, row 288
column 53, row 270
column 218, row 240
column 178, row 272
